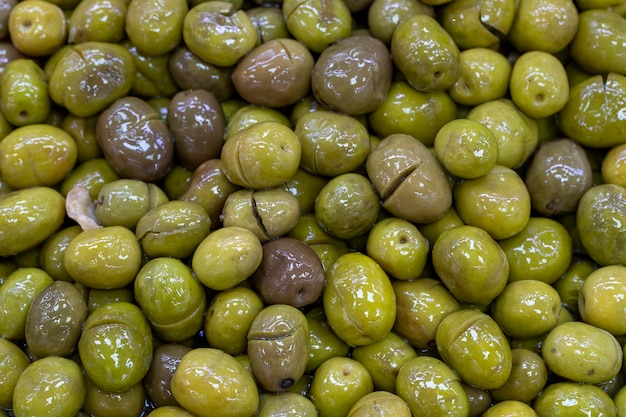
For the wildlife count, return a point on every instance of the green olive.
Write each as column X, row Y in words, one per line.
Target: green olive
column 97, row 20
column 305, row 187
column 105, row 403
column 510, row 408
column 581, row 352
column 171, row 297
column 92, row 175
column 174, row 228
column 359, row 300
column 211, row 383
column 17, row 293
column 598, row 301
column 278, row 346
column 529, row 376
column 97, row 298
column 384, row 16
column 382, row 404
column 226, row 257
column 38, row 28
column 570, row 398
column 431, row 388
column 248, row 115
column 115, row 346
column 229, row 317
column 169, row 411
column 37, row 155
column 104, row 258
column 337, row 385
column 28, row 217
column 473, row 345
column 155, row 27
column 323, row 342
column 471, row 264
column 49, row 386
column 384, row 359
column 288, row 404
column 12, row 366
column 24, row 93
column 570, row 283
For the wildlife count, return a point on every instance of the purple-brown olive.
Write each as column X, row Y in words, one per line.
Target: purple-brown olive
column 197, row 122
column 290, row 273
column 158, row 380
column 135, row 141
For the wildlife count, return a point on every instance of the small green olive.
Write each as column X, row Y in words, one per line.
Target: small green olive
column 323, row 342
column 529, row 376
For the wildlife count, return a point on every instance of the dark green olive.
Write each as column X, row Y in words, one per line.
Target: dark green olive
column 278, row 347
column 158, row 380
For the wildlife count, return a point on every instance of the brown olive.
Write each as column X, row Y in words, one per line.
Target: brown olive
column 158, row 380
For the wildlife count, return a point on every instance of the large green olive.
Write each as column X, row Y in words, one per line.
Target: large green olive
column 17, row 293
column 380, row 404
column 174, row 228
column 155, row 26
column 473, row 344
column 600, row 220
column 103, row 258
column 171, row 297
column 51, row 386
column 36, row 155
column 278, row 346
column 471, row 264
column 431, row 388
column 97, row 20
column 90, row 76
column 359, row 300
column 570, row 398
column 337, row 385
column 28, row 217
column 55, row 320
column 229, row 317
column 581, row 352
column 599, row 302
column 211, row 383
column 115, row 346
column 14, row 362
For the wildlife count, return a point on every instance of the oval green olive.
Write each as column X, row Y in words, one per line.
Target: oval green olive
column 11, row 367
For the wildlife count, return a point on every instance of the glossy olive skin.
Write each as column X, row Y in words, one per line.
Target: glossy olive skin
column 431, row 388
column 418, row 195
column 353, row 76
column 172, row 299
column 359, row 301
column 158, row 380
column 290, row 273
column 323, row 342
column 24, row 93
column 209, row 188
column 124, row 202
column 268, row 22
column 305, row 187
column 471, row 264
column 347, row 206
column 77, row 80
column 174, row 228
column 421, row 305
column 155, row 27
column 135, row 140
column 278, row 347
column 211, row 383
column 103, row 258
column 529, row 376
column 425, row 53
column 12, row 365
column 553, row 187
column 268, row 213
column 38, row 28
column 92, row 174
column 564, row 398
column 197, row 122
column 243, row 116
column 598, row 300
column 36, row 155
column 83, row 130
column 581, row 352
column 55, row 320
column 591, row 115
column 462, row 339
column 152, row 78
column 28, row 217
column 206, row 26
column 384, row 359
column 115, row 346
column 97, row 20
column 275, row 74
column 190, row 72
column 597, row 221
column 380, row 403
column 229, row 317
column 288, row 404
column 49, row 386
column 338, row 384
column 100, row 402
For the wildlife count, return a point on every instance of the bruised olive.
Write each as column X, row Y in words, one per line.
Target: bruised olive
column 411, row 183
column 158, row 380
column 353, row 76
column 278, row 346
column 274, row 74
column 290, row 273
column 135, row 140
column 196, row 120
column 55, row 320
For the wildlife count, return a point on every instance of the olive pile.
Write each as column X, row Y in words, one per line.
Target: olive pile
column 334, row 208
